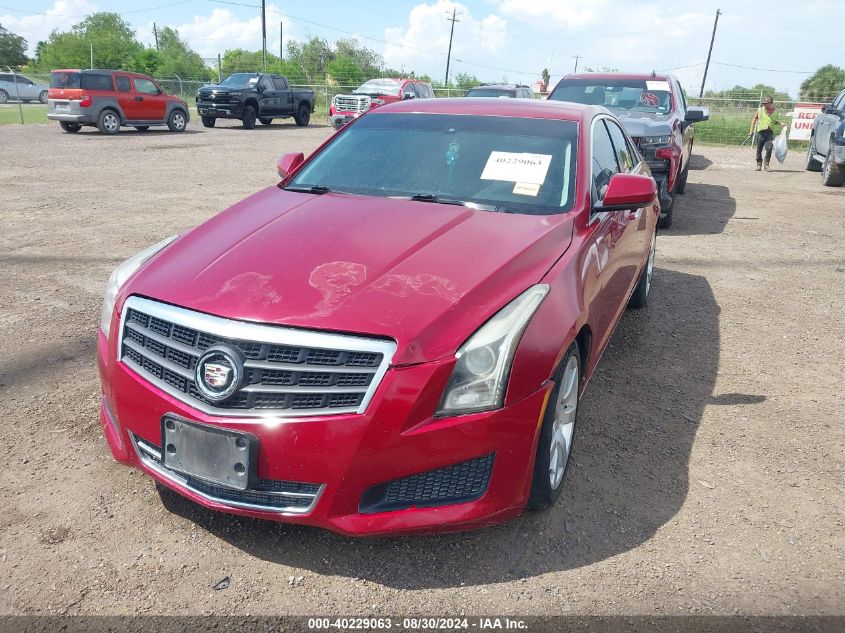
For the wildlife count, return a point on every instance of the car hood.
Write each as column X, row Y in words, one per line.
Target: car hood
column 207, row 90
column 644, row 124
column 426, row 275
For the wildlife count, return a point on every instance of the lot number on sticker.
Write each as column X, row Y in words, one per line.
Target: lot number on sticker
column 526, row 189
column 512, row 167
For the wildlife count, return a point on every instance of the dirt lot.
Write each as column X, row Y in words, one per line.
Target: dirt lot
column 708, row 474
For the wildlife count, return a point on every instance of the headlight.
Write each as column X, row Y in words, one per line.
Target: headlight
column 656, row 140
column 481, row 374
column 119, row 276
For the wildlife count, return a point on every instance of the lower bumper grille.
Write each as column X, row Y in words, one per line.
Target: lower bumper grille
column 459, row 483
column 271, row 495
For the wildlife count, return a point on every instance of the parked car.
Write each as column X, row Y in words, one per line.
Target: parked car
column 653, row 108
column 279, row 362
column 371, row 94
column 252, row 97
column 513, row 91
column 826, row 151
column 15, row 86
column 110, row 99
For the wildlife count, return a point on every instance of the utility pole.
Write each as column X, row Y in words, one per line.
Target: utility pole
column 219, row 69
column 707, row 65
column 264, row 33
column 281, row 40
column 576, row 58
column 453, row 19
column 155, row 33
column 92, row 55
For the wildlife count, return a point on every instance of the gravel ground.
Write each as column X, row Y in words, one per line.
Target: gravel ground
column 708, row 469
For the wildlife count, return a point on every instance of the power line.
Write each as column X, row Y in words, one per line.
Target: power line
column 85, row 15
column 768, row 70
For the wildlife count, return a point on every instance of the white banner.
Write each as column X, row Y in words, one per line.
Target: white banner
column 802, row 120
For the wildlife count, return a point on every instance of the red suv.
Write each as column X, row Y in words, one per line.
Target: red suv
column 373, row 93
column 110, row 99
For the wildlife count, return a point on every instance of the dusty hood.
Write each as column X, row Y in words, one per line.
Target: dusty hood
column 642, row 124
column 426, row 275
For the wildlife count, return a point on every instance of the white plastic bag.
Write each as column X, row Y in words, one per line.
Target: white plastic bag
column 780, row 146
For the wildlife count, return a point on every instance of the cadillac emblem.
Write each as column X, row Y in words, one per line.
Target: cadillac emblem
column 219, row 372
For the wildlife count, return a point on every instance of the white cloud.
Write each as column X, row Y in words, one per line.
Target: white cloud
column 424, row 41
column 35, row 28
column 565, row 13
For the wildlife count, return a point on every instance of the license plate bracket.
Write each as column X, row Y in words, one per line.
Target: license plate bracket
column 219, row 456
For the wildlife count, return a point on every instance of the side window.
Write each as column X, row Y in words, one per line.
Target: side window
column 425, row 91
column 97, row 82
column 266, row 84
column 839, row 104
column 281, row 83
column 604, row 159
column 683, row 96
column 145, row 86
column 412, row 88
column 123, row 83
column 620, row 145
column 5, row 78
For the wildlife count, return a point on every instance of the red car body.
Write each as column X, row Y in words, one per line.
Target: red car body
column 307, row 264
column 348, row 107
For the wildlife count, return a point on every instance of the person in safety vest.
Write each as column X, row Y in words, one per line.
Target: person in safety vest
column 765, row 119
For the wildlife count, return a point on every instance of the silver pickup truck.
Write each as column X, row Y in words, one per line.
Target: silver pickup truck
column 826, row 152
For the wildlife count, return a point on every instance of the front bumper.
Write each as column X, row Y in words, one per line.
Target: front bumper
column 339, row 119
column 220, row 110
column 348, row 455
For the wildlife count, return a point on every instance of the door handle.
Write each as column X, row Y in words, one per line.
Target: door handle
column 139, row 98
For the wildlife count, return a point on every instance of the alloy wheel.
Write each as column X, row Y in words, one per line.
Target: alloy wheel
column 563, row 427
column 110, row 122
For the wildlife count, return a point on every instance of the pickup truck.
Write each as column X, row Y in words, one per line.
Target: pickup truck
column 373, row 93
column 254, row 96
column 653, row 110
column 826, row 151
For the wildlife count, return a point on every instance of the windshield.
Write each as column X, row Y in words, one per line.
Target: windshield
column 490, row 92
column 508, row 164
column 240, row 79
column 379, row 86
column 628, row 95
column 65, row 80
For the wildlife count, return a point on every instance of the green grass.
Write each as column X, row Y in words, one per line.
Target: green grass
column 730, row 129
column 10, row 115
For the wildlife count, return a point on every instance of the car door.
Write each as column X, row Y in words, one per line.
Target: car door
column 688, row 129
column 268, row 100
column 151, row 99
column 126, row 99
column 285, row 95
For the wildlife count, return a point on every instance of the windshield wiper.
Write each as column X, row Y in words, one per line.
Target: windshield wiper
column 430, row 197
column 316, row 189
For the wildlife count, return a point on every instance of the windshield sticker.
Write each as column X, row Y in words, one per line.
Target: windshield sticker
column 452, row 153
column 526, row 189
column 650, row 99
column 657, row 85
column 514, row 167
column 253, row 80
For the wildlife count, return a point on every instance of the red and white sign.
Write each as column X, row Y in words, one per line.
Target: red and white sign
column 802, row 120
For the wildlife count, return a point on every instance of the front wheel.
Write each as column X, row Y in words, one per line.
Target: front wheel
column 42, row 97
column 71, row 128
column 832, row 173
column 665, row 221
column 555, row 443
column 177, row 121
column 265, row 120
column 303, row 115
column 108, row 122
column 249, row 118
column 4, row 96
column 812, row 164
column 208, row 121
column 640, row 296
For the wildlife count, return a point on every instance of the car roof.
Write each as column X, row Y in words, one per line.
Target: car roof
column 480, row 106
column 502, row 86
column 654, row 76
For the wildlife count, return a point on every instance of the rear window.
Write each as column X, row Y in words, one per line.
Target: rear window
column 491, row 92
column 65, row 80
column 97, row 82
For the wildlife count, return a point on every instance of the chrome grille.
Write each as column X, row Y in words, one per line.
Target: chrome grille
column 352, row 103
column 287, row 372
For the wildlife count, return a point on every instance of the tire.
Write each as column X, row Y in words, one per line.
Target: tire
column 42, row 97
column 249, row 118
column 640, row 296
column 4, row 96
column 303, row 115
column 208, row 121
column 177, row 121
column 681, row 187
column 555, row 444
column 108, row 122
column 70, row 128
column 142, row 128
column 666, row 221
column 833, row 174
column 265, row 120
column 812, row 164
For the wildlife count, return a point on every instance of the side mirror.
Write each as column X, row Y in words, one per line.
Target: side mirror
column 830, row 109
column 288, row 163
column 628, row 191
column 408, row 95
column 697, row 114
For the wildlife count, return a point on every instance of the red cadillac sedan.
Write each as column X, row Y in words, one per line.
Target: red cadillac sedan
column 394, row 338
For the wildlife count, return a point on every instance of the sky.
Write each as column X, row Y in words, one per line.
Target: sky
column 776, row 42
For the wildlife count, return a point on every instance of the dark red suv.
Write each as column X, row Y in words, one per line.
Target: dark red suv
column 110, row 99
